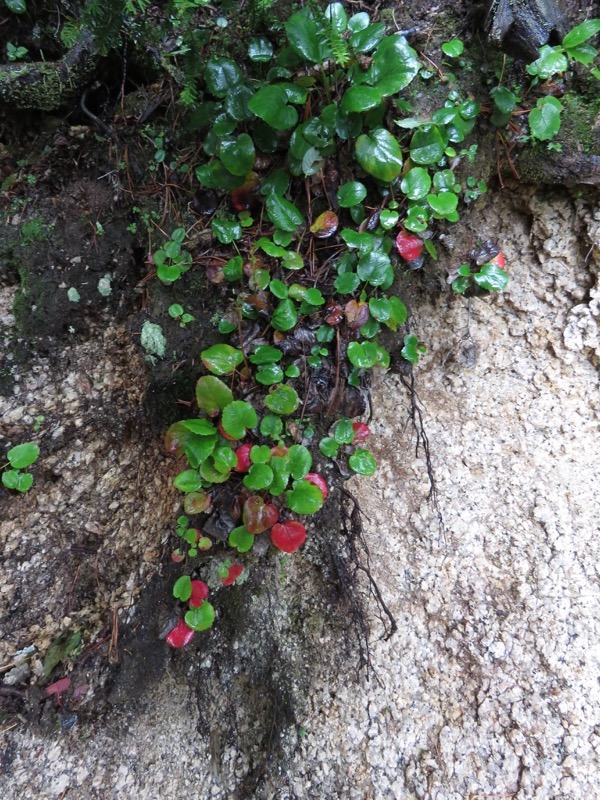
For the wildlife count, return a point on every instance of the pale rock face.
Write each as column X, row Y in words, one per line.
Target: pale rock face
column 490, row 686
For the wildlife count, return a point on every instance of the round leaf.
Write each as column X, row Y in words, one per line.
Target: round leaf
column 221, row 359
column 351, row 194
column 288, row 536
column 212, row 395
column 362, row 462
column 379, row 154
column 237, row 417
column 238, row 154
column 282, row 213
column 285, row 316
column 282, row 400
column 23, row 455
column 416, row 183
column 305, row 498
column 200, row 618
column 260, row 476
column 300, row 461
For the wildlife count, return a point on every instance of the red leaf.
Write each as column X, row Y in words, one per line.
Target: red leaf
column 243, row 458
column 335, row 314
column 234, row 572
column 257, row 516
column 325, row 225
column 317, row 481
column 177, row 556
column 199, row 594
column 409, row 246
column 58, row 686
column 288, row 536
column 361, row 432
column 180, row 635
column 499, row 260
column 244, row 197
column 357, row 314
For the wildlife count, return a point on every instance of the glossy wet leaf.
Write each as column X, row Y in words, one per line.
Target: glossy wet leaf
column 544, row 119
column 269, row 374
column 272, row 104
column 428, row 144
column 221, row 359
column 394, row 66
column 180, row 635
column 380, row 308
column 259, row 516
column 305, row 498
column 491, row 277
column 288, row 536
column 199, row 448
column 581, row 33
column 365, row 39
column 416, row 183
column 199, row 593
column 224, row 459
column 343, row 431
column 305, row 37
column 346, row 283
column 237, row 155
column 212, row 395
column 375, row 268
column 23, row 455
column 362, row 462
column 325, row 225
column 221, row 75
column 398, row 313
column 412, row 348
column 552, row 61
column 201, row 618
column 260, row 50
column 285, row 315
column 237, row 417
column 214, row 176
column 362, row 354
column 351, row 194
column 226, row 230
column 233, row 573
column 360, row 98
column 329, row 447
column 260, row 454
column 356, row 313
column 442, row 204
column 379, row 154
column 453, row 49
column 17, row 481
column 283, row 213
column 281, row 474
column 266, row 354
column 282, row 400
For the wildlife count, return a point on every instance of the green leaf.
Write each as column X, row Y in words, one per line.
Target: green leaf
column 16, row 6
column 329, row 447
column 346, row 283
column 544, row 119
column 380, row 309
column 379, row 154
column 394, row 66
column 453, row 49
column 305, row 498
column 269, row 374
column 23, row 455
column 491, row 277
column 260, row 50
column 552, row 61
column 221, row 359
column 200, row 618
column 237, row 417
column 388, row 219
column 221, row 75
column 214, row 176
column 241, row 539
column 443, row 204
column 360, row 98
column 279, row 289
column 283, row 213
column 198, row 449
column 212, row 395
column 336, row 16
column 427, row 144
column 19, row 481
column 365, row 39
column 362, row 462
column 282, row 400
column 344, row 432
column 182, row 588
column 209, row 473
column 226, row 230
column 260, row 476
column 271, row 425
column 187, row 481
column 236, row 103
column 285, row 315
column 300, row 461
column 504, row 100
column 375, row 268
column 306, row 39
column 270, row 103
column 260, row 454
column 416, row 183
column 412, row 348
column 281, row 473
column 238, row 154
column 266, row 354
column 201, row 427
column 583, row 53
column 234, row 269
column 399, row 313
column 314, row 297
column 292, row 260
column 362, row 355
column 581, row 33
column 224, row 459
column 351, row 194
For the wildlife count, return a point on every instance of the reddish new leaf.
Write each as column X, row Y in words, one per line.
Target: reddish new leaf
column 361, row 432
column 357, row 314
column 233, row 573
column 325, row 225
column 257, row 516
column 318, row 481
column 58, row 686
column 199, row 594
column 244, row 197
column 499, row 260
column 288, row 536
column 180, row 635
column 409, row 246
column 243, row 458
column 177, row 556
